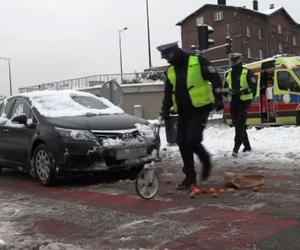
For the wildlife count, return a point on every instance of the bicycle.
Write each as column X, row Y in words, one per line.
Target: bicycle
column 147, row 181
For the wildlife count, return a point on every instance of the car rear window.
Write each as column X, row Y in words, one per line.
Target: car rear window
column 89, row 102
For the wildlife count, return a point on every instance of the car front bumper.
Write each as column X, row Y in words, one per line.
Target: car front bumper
column 90, row 156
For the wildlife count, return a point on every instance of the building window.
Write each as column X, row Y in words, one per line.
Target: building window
column 260, row 36
column 279, row 29
column 294, row 41
column 218, row 16
column 261, row 54
column 248, row 32
column 227, row 30
column 199, row 20
column 280, row 48
column 287, row 38
column 249, row 52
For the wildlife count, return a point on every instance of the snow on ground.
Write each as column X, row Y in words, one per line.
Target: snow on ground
column 12, row 235
column 273, row 147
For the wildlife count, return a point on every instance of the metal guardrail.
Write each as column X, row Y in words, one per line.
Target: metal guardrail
column 98, row 80
column 126, row 78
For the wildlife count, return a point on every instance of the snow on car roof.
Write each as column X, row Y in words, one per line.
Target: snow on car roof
column 52, row 103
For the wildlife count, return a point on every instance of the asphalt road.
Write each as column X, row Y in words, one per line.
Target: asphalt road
column 88, row 212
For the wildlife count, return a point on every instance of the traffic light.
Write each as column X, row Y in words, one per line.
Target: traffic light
column 203, row 36
column 228, row 48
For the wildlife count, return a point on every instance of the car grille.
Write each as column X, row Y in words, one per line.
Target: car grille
column 125, row 135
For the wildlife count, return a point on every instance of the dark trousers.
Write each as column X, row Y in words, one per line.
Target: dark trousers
column 189, row 137
column 239, row 117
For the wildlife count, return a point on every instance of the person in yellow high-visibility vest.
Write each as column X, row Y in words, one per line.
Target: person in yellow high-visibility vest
column 192, row 90
column 241, row 84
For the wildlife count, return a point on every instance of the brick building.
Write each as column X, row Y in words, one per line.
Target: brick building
column 257, row 34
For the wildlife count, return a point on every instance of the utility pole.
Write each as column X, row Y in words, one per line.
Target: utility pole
column 120, row 48
column 148, row 30
column 9, row 74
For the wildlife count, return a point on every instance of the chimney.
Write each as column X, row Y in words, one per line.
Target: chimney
column 221, row 2
column 272, row 6
column 255, row 5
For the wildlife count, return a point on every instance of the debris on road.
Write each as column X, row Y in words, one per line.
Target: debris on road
column 239, row 180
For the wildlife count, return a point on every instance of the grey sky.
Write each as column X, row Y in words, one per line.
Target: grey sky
column 51, row 40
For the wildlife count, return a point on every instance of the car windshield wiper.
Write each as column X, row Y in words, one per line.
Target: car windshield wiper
column 90, row 114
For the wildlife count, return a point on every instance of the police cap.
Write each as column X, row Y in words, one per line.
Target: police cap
column 236, row 56
column 167, row 48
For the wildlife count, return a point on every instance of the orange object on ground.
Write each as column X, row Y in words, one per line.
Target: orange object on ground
column 195, row 191
column 212, row 190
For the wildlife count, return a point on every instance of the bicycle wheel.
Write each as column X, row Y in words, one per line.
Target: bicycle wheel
column 147, row 183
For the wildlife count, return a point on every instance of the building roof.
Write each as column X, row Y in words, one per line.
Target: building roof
column 269, row 12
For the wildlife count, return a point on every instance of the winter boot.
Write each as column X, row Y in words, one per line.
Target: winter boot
column 247, row 149
column 187, row 183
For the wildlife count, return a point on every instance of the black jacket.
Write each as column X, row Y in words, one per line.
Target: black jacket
column 236, row 75
column 183, row 98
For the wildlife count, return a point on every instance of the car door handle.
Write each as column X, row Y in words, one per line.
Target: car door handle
column 5, row 130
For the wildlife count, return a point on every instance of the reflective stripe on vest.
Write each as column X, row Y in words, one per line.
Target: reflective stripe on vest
column 200, row 90
column 243, row 85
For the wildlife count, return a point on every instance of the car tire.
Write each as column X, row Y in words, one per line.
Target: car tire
column 44, row 165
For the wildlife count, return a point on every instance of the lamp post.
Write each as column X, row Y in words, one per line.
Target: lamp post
column 9, row 74
column 120, row 47
column 148, row 30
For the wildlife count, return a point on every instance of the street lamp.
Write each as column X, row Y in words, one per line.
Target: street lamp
column 148, row 30
column 9, row 74
column 120, row 47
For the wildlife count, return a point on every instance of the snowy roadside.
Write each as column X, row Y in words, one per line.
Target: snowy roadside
column 273, row 147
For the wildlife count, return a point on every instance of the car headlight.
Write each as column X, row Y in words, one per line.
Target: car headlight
column 81, row 135
column 152, row 127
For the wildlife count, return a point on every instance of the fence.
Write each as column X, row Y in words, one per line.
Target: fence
column 98, row 81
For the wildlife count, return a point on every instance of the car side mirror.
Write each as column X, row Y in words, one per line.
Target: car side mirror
column 21, row 119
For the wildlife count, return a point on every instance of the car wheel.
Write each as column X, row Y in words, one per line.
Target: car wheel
column 43, row 165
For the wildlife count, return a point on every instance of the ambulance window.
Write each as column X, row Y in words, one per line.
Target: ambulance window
column 297, row 72
column 287, row 82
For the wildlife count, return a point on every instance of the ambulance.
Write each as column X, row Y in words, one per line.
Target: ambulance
column 277, row 98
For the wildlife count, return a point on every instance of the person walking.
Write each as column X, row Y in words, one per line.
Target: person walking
column 241, row 87
column 192, row 89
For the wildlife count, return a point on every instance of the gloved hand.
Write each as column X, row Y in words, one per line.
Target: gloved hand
column 234, row 92
column 218, row 105
column 164, row 115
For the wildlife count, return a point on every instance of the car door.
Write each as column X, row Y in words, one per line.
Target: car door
column 2, row 120
column 4, row 146
column 18, row 137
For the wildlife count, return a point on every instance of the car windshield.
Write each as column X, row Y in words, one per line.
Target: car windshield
column 68, row 103
column 89, row 102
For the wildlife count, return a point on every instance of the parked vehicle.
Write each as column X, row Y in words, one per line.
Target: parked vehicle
column 50, row 133
column 277, row 100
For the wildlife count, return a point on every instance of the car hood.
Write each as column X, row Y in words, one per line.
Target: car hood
column 97, row 122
